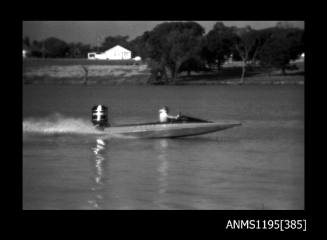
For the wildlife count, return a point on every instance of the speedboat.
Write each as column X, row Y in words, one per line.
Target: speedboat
column 184, row 126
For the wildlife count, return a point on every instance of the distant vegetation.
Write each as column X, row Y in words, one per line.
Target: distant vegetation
column 172, row 48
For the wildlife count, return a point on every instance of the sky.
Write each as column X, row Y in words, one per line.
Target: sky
column 93, row 32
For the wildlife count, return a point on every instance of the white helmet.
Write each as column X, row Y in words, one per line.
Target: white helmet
column 164, row 109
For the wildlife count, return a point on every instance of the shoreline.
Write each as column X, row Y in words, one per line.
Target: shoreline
column 142, row 81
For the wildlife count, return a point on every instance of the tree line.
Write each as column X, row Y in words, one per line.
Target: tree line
column 173, row 47
column 56, row 48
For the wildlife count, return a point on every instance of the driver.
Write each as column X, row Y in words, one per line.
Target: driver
column 165, row 117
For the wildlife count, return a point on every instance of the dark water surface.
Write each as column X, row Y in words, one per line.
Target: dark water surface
column 68, row 165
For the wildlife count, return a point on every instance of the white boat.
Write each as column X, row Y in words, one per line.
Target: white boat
column 170, row 130
column 184, row 126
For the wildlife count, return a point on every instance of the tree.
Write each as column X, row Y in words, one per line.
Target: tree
column 138, row 45
column 248, row 44
column 26, row 42
column 170, row 44
column 245, row 43
column 285, row 44
column 192, row 64
column 55, row 47
column 37, row 49
column 112, row 41
column 218, row 44
column 78, row 50
column 158, row 72
column 261, row 37
column 73, row 50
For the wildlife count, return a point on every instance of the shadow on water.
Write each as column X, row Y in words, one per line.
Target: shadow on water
column 98, row 163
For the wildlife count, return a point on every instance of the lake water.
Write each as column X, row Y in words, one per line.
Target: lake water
column 68, row 165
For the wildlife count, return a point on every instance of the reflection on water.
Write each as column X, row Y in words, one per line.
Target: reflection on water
column 99, row 159
column 163, row 168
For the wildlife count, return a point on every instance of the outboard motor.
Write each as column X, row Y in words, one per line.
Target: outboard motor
column 100, row 116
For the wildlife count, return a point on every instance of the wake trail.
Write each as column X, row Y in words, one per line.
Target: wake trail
column 58, row 124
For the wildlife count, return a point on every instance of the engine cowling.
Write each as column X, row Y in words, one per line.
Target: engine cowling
column 100, row 116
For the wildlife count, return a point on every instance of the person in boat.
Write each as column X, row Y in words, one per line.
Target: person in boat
column 164, row 116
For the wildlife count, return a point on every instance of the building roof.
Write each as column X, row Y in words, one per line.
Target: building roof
column 118, row 47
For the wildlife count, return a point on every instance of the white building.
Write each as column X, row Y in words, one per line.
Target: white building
column 24, row 53
column 115, row 53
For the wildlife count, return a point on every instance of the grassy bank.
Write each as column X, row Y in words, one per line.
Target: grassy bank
column 83, row 71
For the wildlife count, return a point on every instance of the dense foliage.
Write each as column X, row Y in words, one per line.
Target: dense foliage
column 282, row 46
column 172, row 44
column 218, row 44
column 55, row 48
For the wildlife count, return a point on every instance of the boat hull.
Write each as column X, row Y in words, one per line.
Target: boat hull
column 169, row 130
